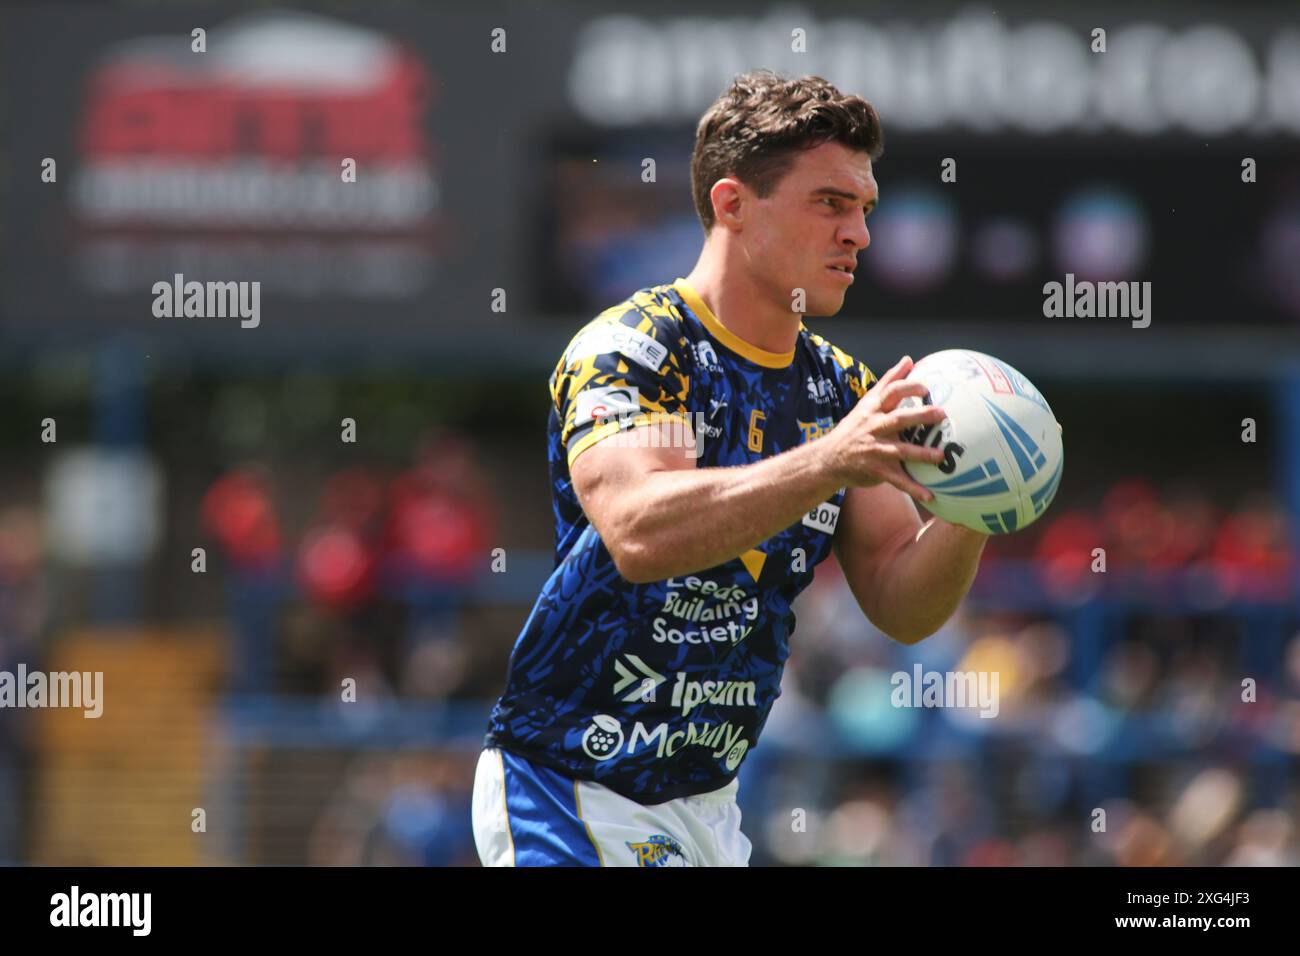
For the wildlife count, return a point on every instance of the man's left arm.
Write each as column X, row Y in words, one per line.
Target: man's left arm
column 907, row 576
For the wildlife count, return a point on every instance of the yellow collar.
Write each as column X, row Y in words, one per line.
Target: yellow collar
column 728, row 338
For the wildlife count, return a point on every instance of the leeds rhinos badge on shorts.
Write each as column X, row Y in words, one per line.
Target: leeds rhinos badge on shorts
column 658, row 849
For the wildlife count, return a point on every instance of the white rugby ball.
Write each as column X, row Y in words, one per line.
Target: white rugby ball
column 1003, row 454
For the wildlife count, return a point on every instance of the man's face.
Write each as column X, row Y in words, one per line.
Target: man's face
column 813, row 220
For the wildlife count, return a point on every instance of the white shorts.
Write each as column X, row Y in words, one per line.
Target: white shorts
column 529, row 815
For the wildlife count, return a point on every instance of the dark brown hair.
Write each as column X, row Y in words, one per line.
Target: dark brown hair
column 755, row 128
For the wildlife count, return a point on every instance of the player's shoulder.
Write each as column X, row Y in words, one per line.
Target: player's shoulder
column 831, row 360
column 646, row 328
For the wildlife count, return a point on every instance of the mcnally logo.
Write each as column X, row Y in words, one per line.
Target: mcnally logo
column 102, row 909
column 208, row 300
column 84, row 689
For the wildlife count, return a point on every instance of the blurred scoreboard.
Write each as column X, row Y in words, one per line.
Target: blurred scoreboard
column 1022, row 212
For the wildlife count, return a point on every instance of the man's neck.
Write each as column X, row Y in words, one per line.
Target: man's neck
column 744, row 312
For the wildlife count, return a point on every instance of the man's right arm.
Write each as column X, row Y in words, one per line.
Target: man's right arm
column 660, row 516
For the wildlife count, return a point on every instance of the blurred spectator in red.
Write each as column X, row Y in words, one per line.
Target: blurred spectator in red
column 1065, row 553
column 441, row 515
column 1253, row 553
column 441, row 522
column 1195, row 520
column 237, row 510
column 1138, row 528
column 338, row 558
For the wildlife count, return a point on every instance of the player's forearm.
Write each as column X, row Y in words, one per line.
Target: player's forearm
column 681, row 522
column 927, row 580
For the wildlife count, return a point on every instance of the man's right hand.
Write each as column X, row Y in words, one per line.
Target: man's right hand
column 866, row 447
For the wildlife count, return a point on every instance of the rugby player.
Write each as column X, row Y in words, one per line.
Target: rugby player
column 707, row 451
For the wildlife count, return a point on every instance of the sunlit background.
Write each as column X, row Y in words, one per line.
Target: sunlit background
column 523, row 171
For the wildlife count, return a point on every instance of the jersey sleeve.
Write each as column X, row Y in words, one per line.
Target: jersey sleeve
column 622, row 370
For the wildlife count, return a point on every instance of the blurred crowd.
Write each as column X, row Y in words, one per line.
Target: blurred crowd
column 1246, row 553
column 1160, row 756
column 1149, row 708
column 375, row 583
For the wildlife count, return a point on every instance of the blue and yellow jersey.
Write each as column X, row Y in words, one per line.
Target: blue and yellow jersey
column 658, row 690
